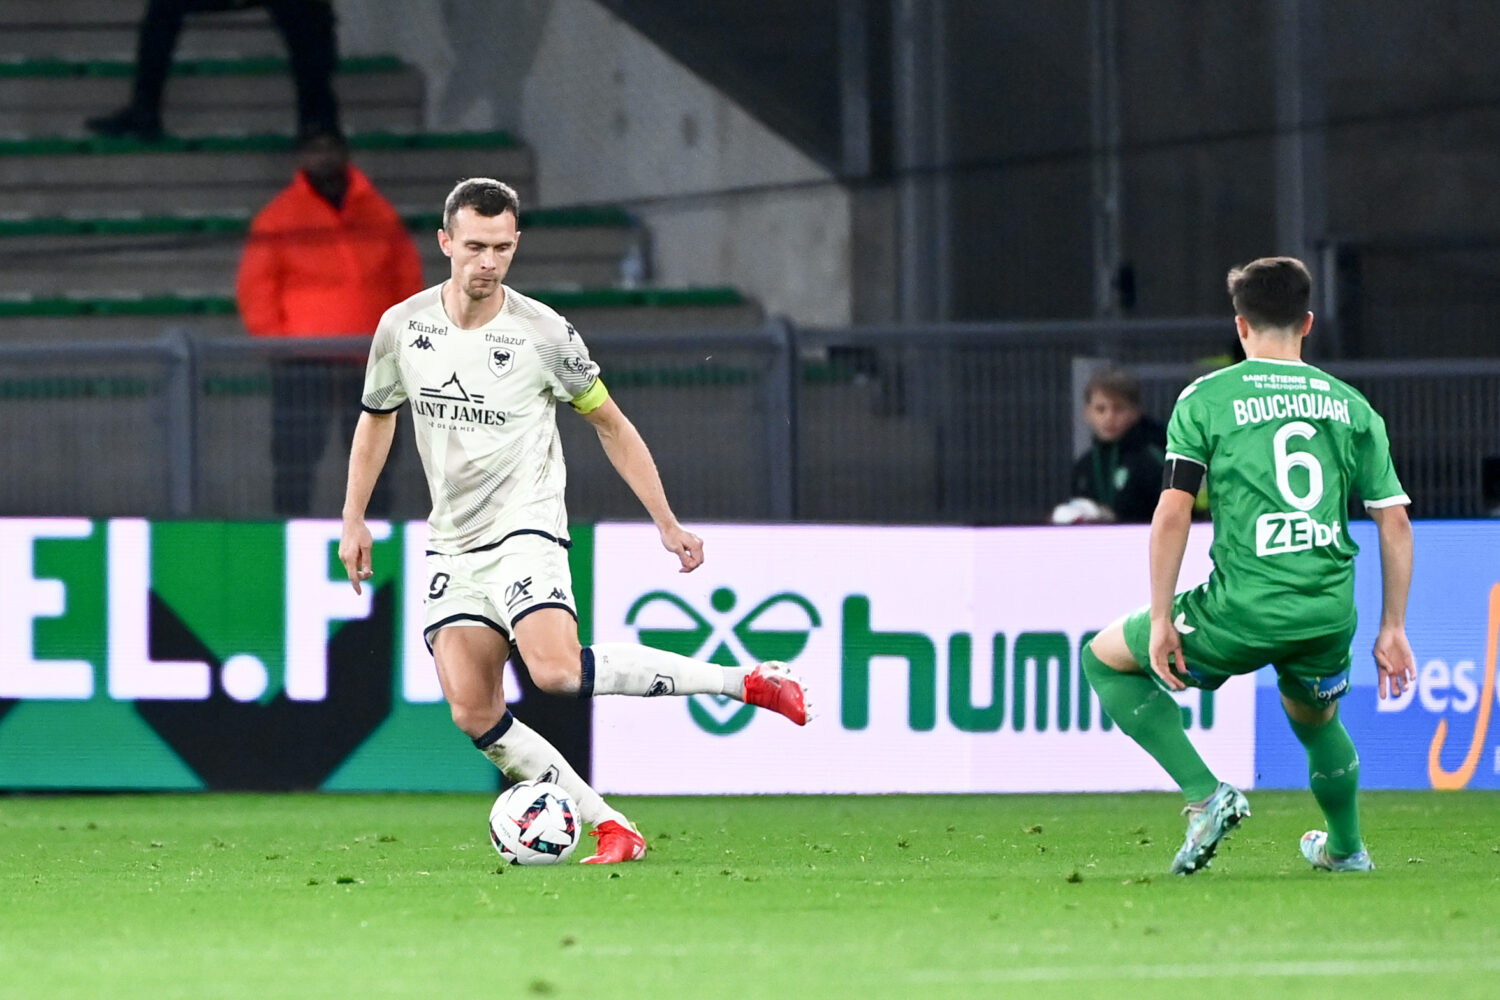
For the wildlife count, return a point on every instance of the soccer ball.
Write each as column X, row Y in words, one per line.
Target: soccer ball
column 534, row 823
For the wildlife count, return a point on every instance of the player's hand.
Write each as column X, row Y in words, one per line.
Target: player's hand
column 1166, row 654
column 355, row 552
column 1394, row 662
column 686, row 546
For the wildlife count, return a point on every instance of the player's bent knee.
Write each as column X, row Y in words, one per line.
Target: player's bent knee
column 1111, row 649
column 1309, row 715
column 475, row 715
column 472, row 720
column 555, row 674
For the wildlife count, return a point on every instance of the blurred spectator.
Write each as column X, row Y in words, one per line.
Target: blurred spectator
column 326, row 257
column 305, row 25
column 1119, row 477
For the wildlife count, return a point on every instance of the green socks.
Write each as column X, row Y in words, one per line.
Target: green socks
column 1333, row 773
column 1148, row 715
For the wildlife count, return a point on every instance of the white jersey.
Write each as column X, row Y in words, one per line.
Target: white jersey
column 483, row 404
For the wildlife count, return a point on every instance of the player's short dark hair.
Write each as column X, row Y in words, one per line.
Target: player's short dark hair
column 1117, row 382
column 1271, row 291
column 486, row 196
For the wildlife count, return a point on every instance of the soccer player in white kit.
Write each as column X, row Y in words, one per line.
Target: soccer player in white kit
column 482, row 367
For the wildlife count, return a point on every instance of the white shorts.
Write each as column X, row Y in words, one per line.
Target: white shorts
column 497, row 587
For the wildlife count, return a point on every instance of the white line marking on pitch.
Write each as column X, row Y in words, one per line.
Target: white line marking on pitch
column 1220, row 970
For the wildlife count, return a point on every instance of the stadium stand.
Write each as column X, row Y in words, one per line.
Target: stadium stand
column 118, row 257
column 147, row 235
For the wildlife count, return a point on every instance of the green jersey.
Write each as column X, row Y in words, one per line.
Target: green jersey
column 1285, row 445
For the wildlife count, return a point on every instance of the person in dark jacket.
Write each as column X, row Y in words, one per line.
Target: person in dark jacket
column 307, row 27
column 1120, row 474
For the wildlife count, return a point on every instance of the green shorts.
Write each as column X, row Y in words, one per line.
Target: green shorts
column 1312, row 671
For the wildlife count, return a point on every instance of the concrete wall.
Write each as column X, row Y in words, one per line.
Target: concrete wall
column 1407, row 131
column 615, row 121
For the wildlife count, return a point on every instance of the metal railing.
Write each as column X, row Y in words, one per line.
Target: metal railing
column 1442, row 416
column 948, row 424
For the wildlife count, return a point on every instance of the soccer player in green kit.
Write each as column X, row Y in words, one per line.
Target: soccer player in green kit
column 1283, row 446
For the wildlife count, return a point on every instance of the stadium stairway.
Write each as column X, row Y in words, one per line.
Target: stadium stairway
column 122, row 255
column 105, row 29
column 114, row 239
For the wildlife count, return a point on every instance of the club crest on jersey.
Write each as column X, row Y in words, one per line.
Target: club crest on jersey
column 502, row 359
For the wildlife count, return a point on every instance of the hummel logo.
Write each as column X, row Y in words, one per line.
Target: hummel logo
column 422, row 343
column 728, row 639
column 720, row 714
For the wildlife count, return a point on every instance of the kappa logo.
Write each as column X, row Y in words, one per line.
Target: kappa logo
column 422, row 343
column 778, row 628
column 557, row 595
column 502, row 359
column 517, row 593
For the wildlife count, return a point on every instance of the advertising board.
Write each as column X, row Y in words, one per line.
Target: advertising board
column 177, row 655
column 1440, row 734
column 941, row 660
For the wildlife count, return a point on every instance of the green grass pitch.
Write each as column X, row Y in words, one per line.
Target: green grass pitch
column 358, row 896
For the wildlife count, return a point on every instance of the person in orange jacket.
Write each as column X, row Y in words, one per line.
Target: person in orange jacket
column 326, row 257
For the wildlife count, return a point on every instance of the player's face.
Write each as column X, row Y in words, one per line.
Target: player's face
column 1110, row 416
column 481, row 248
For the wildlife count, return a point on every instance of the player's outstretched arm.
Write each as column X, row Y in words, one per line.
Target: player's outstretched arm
column 1394, row 662
column 1169, row 534
column 367, row 454
column 631, row 458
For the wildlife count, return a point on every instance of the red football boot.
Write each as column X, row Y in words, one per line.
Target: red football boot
column 771, row 685
column 617, row 842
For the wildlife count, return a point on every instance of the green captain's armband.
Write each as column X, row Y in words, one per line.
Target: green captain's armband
column 593, row 397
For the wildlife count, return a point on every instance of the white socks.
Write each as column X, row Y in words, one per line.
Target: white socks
column 626, row 668
column 521, row 753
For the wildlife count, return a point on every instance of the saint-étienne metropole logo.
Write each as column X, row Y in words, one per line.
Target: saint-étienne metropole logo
column 729, row 638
